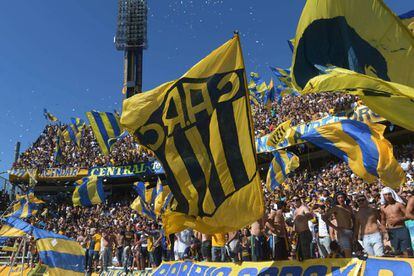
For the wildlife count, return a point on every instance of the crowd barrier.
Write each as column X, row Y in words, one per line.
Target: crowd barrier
column 315, row 267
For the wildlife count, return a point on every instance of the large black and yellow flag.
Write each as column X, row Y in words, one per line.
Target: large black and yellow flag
column 199, row 126
column 363, row 36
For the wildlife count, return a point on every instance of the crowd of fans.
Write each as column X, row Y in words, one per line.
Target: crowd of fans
column 41, row 154
column 316, row 213
column 320, row 213
column 88, row 154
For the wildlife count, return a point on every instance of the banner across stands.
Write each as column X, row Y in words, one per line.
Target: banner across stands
column 62, row 173
column 293, row 135
column 144, row 168
column 354, row 266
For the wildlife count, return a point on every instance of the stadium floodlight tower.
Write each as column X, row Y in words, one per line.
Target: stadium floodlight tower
column 131, row 37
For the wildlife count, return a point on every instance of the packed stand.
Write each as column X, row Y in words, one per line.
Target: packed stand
column 319, row 213
column 41, row 154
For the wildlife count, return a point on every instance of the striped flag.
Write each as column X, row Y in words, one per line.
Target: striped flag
column 282, row 164
column 89, row 191
column 61, row 255
column 14, row 227
column 200, row 128
column 105, row 125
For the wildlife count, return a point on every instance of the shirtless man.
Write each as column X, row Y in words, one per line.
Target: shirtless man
column 366, row 226
column 206, row 247
column 409, row 212
column 276, row 225
column 301, row 217
column 258, row 241
column 344, row 218
column 393, row 219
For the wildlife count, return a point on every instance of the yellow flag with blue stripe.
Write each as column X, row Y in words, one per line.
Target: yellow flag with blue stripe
column 146, row 197
column 27, row 205
column 283, row 163
column 393, row 101
column 61, row 255
column 162, row 195
column 363, row 147
column 363, row 36
column 14, row 227
column 89, row 191
column 72, row 135
column 278, row 134
column 199, row 127
column 49, row 116
column 105, row 126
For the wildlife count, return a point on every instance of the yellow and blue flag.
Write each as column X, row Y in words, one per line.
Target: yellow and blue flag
column 78, row 122
column 105, row 125
column 200, row 128
column 283, row 163
column 89, row 191
column 162, row 198
column 393, row 101
column 72, row 135
column 14, row 227
column 112, row 141
column 61, row 255
column 27, row 205
column 363, row 147
column 49, row 116
column 143, row 204
column 283, row 75
column 363, row 36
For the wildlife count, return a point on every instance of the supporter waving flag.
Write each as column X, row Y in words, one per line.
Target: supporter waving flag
column 61, row 255
column 89, row 191
column 282, row 164
column 78, row 122
column 363, row 147
column 14, row 227
column 105, row 125
column 200, row 129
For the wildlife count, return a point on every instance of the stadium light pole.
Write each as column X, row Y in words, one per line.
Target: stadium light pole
column 131, row 37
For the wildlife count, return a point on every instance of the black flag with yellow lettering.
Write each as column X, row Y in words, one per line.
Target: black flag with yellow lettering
column 199, row 126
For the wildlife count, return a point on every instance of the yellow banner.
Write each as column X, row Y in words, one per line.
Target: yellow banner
column 62, row 174
column 350, row 267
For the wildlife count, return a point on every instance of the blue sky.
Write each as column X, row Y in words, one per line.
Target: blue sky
column 60, row 54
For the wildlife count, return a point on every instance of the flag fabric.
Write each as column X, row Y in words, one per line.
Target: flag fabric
column 363, row 36
column 278, row 134
column 14, row 227
column 408, row 20
column 72, row 135
column 282, row 164
column 143, row 209
column 201, row 131
column 257, row 86
column 61, row 255
column 283, row 75
column 105, row 125
column 88, row 192
column 112, row 141
column 27, row 205
column 78, row 122
column 49, row 116
column 146, row 197
column 363, row 147
column 393, row 101
column 162, row 195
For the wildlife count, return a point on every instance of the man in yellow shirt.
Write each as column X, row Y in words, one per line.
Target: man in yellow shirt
column 218, row 250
